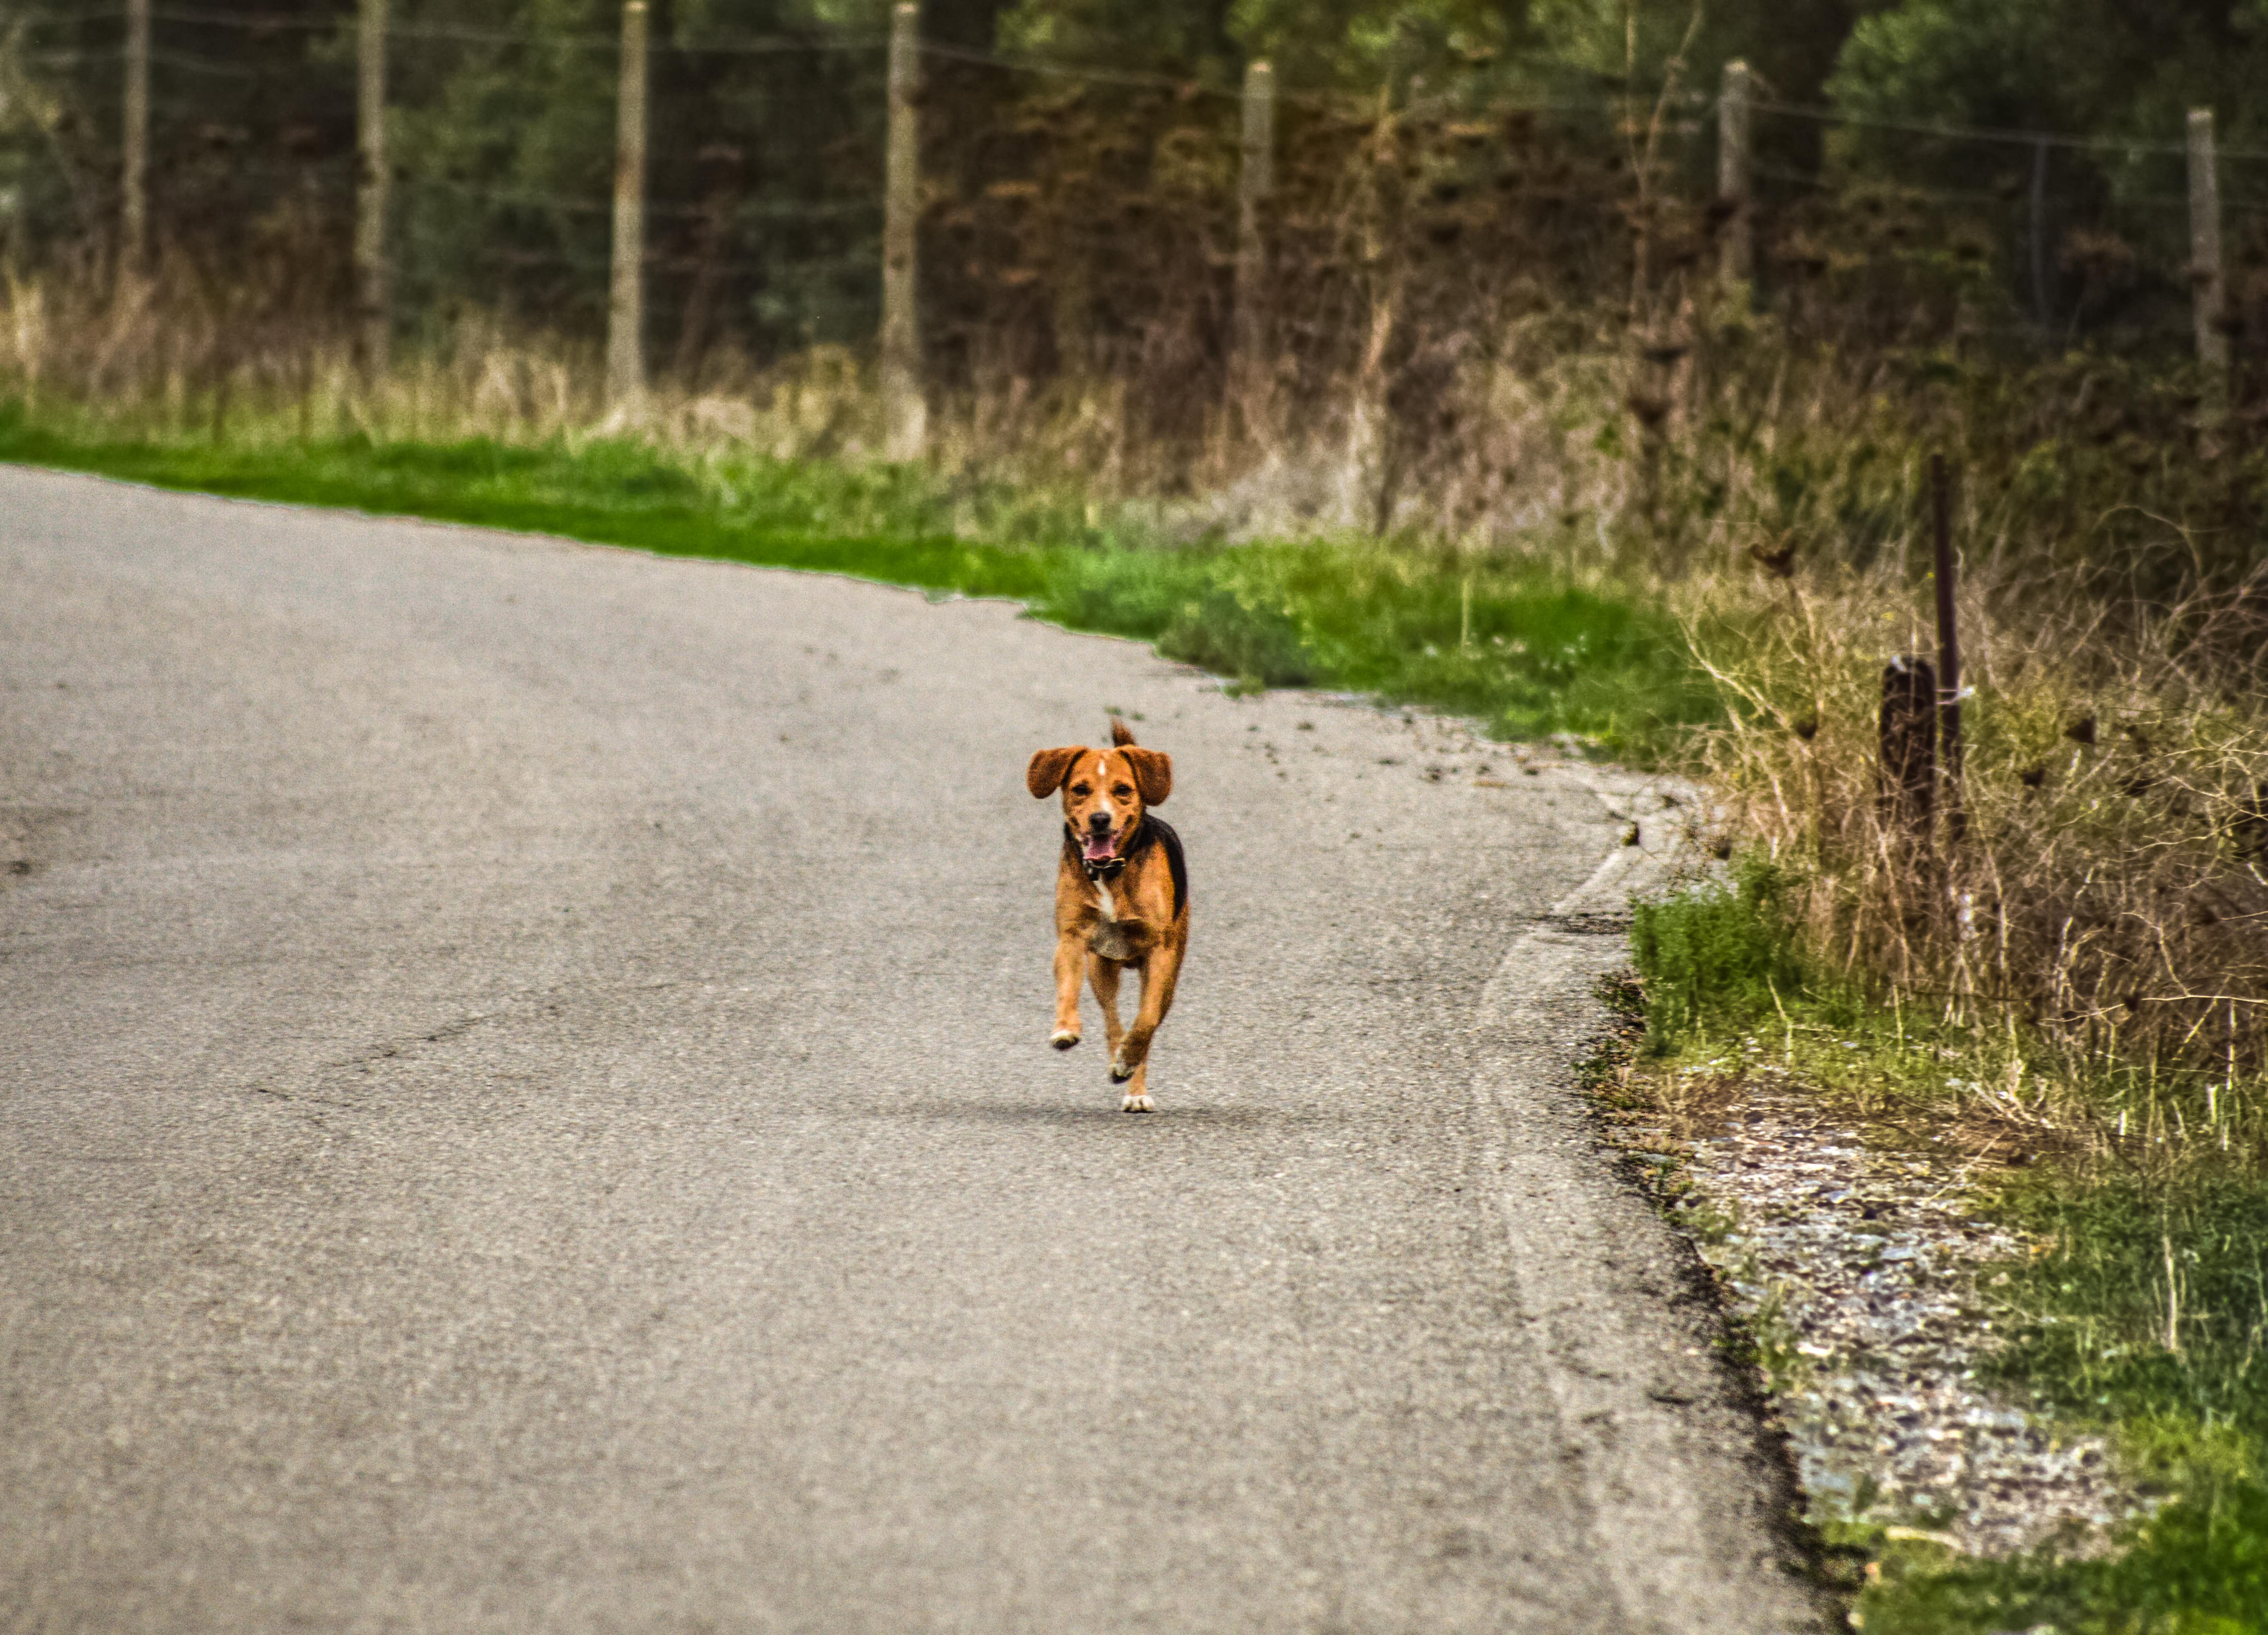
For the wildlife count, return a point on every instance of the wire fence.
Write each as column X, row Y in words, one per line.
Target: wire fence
column 1069, row 218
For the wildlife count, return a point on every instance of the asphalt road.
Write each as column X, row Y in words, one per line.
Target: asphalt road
column 527, row 1108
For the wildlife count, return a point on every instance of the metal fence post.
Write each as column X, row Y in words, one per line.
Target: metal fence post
column 1735, row 184
column 905, row 410
column 373, row 283
column 626, row 302
column 2207, row 289
column 1255, row 182
column 134, row 177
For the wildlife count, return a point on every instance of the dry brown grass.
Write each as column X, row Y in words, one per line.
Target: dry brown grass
column 2107, row 897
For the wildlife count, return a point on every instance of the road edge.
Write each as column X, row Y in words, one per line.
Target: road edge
column 1693, row 1505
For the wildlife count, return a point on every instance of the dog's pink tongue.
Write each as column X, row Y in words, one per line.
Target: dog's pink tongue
column 1098, row 848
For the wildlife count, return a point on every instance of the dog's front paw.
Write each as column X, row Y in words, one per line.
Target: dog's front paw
column 1136, row 1104
column 1064, row 1038
column 1121, row 1070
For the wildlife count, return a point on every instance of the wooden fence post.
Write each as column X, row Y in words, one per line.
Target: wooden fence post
column 373, row 280
column 1948, row 648
column 904, row 408
column 2036, row 214
column 1735, row 180
column 1255, row 183
column 1908, row 770
column 133, row 176
column 626, row 299
column 2208, row 292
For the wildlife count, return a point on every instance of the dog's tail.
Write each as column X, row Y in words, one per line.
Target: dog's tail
column 1121, row 734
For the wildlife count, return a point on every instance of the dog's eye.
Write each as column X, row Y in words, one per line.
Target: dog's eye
column 1081, row 792
column 1123, row 791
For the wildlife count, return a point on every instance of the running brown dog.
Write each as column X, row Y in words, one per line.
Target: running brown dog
column 1122, row 893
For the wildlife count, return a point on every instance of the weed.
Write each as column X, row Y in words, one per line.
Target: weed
column 1603, row 1070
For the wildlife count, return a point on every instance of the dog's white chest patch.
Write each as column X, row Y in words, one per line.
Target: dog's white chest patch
column 1110, row 910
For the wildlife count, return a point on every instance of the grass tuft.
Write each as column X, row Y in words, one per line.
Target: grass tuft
column 1726, row 952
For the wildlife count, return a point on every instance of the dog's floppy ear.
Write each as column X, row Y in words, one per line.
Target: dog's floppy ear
column 1153, row 773
column 1048, row 769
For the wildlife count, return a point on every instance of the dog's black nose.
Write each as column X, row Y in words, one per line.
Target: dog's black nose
column 1098, row 822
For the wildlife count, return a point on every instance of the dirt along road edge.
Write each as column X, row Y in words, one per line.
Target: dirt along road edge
column 1618, row 1364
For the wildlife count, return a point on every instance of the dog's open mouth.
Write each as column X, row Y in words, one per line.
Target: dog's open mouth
column 1099, row 848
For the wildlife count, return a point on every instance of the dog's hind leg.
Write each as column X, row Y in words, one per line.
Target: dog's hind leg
column 1103, row 974
column 1130, row 1057
column 1136, row 1097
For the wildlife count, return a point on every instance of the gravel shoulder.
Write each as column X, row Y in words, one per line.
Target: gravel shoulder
column 1866, row 1278
column 529, row 1108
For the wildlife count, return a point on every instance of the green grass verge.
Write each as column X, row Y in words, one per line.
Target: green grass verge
column 2090, row 1331
column 1523, row 646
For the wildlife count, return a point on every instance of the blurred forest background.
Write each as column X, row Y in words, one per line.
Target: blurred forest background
column 767, row 119
column 1492, row 226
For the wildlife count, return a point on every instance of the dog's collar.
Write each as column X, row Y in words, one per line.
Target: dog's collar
column 1110, row 868
column 1150, row 831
